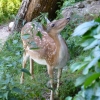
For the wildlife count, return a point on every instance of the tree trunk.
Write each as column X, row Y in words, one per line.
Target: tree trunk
column 31, row 8
column 18, row 23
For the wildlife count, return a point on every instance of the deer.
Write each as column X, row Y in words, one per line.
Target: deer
column 52, row 51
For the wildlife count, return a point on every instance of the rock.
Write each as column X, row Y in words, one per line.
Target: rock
column 10, row 26
column 87, row 9
column 81, row 5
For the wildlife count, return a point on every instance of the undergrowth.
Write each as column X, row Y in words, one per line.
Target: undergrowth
column 10, row 65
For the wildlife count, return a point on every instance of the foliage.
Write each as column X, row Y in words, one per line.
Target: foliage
column 41, row 18
column 67, row 85
column 8, row 8
column 90, row 65
column 10, row 56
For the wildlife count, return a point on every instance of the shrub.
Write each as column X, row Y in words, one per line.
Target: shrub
column 90, row 65
column 8, row 8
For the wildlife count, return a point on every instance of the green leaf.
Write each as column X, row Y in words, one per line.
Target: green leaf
column 17, row 90
column 33, row 45
column 97, row 36
column 25, row 36
column 1, row 95
column 36, row 25
column 17, row 53
column 92, row 45
column 87, row 42
column 15, row 41
column 25, row 71
column 6, row 81
column 97, row 68
column 96, row 88
column 4, row 87
column 42, row 21
column 88, row 58
column 93, row 31
column 89, row 93
column 83, row 28
column 90, row 79
column 98, row 29
column 8, row 46
column 97, row 92
column 23, row 23
column 73, row 66
column 34, row 48
column 5, row 95
column 78, row 97
column 96, row 51
column 68, row 98
column 80, row 80
column 91, row 64
column 77, row 66
column 9, row 65
column 39, row 34
column 97, row 20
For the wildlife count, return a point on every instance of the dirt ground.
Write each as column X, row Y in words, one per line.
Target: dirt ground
column 4, row 33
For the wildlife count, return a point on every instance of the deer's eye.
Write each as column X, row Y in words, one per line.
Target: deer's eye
column 52, row 25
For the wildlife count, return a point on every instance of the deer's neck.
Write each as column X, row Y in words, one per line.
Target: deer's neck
column 57, row 39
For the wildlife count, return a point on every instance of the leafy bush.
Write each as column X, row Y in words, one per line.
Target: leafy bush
column 90, row 65
column 8, row 8
column 10, row 60
column 67, row 85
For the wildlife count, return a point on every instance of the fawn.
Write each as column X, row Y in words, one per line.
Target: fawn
column 52, row 51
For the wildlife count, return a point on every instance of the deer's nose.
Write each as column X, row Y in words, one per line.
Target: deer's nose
column 68, row 19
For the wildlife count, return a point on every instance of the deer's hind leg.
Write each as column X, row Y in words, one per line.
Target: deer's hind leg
column 25, row 58
column 32, row 68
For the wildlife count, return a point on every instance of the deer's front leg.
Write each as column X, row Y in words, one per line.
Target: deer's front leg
column 58, row 80
column 50, row 72
column 32, row 68
column 25, row 57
